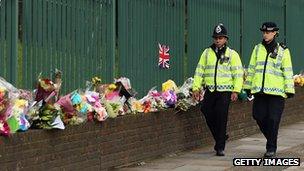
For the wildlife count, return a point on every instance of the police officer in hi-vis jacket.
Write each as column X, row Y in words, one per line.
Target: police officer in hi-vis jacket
column 220, row 72
column 270, row 80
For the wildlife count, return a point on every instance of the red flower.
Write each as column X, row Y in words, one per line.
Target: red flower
column 4, row 128
column 90, row 116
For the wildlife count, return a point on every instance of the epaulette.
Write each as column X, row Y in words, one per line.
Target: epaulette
column 283, row 45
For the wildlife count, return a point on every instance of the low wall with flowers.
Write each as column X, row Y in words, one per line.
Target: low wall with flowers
column 127, row 139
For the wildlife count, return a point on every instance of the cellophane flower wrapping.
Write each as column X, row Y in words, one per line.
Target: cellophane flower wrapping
column 17, row 117
column 153, row 101
column 184, row 94
column 81, row 107
column 169, row 85
column 45, row 88
column 46, row 116
column 93, row 98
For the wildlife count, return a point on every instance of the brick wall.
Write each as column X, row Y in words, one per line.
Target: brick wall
column 127, row 139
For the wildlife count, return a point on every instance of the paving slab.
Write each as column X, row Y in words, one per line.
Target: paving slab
column 290, row 144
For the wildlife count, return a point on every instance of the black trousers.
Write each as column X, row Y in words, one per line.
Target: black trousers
column 215, row 108
column 267, row 111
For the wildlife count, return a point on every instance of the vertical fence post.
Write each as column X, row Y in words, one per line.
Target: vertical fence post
column 14, row 42
column 114, row 57
column 285, row 26
column 186, row 21
column 241, row 29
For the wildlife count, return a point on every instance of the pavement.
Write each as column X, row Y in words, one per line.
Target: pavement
column 290, row 145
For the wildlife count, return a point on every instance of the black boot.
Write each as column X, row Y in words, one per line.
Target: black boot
column 270, row 154
column 220, row 153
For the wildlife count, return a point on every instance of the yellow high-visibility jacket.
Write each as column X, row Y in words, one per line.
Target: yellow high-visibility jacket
column 270, row 73
column 216, row 75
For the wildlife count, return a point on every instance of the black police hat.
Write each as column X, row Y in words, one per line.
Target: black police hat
column 219, row 30
column 269, row 26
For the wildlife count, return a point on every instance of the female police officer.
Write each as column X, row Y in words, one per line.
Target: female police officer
column 270, row 79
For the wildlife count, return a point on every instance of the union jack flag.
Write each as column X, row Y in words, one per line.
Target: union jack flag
column 164, row 57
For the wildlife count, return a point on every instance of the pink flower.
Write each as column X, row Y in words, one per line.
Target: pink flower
column 169, row 97
column 4, row 128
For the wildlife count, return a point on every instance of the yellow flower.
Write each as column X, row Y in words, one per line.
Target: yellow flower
column 2, row 89
column 169, row 85
column 19, row 103
column 137, row 106
column 112, row 87
column 96, row 80
column 46, row 84
column 78, row 107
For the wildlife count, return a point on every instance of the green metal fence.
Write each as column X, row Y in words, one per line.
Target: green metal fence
column 8, row 39
column 111, row 38
column 294, row 32
column 142, row 24
column 73, row 36
column 254, row 13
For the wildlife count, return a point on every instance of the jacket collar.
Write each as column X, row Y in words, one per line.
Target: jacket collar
column 270, row 47
column 217, row 51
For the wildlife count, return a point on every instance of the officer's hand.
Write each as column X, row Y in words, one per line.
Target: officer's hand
column 234, row 96
column 289, row 95
column 248, row 92
column 196, row 95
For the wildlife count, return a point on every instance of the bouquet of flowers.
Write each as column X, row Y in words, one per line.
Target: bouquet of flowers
column 4, row 102
column 184, row 94
column 43, row 113
column 170, row 98
column 136, row 106
column 13, row 91
column 96, row 83
column 47, row 89
column 48, row 117
column 157, row 100
column 299, row 79
column 186, row 89
column 78, row 110
column 17, row 118
column 112, row 108
column 183, row 104
column 95, row 106
column 153, row 101
column 75, row 108
column 117, row 97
